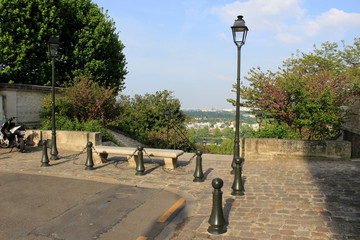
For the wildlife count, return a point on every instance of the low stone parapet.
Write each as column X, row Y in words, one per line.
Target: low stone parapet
column 275, row 149
column 66, row 140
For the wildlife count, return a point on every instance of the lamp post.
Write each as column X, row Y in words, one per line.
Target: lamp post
column 167, row 118
column 239, row 31
column 259, row 117
column 53, row 46
column 204, row 144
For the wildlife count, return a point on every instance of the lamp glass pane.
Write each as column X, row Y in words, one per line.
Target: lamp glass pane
column 53, row 50
column 239, row 37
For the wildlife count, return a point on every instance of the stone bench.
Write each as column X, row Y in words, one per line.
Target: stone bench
column 170, row 156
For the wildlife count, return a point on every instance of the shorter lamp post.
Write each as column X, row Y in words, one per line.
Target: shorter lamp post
column 259, row 118
column 167, row 118
column 53, row 46
column 204, row 142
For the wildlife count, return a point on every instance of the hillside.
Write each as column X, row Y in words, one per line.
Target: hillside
column 213, row 116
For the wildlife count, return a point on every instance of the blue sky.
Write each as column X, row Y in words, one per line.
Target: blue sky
column 186, row 46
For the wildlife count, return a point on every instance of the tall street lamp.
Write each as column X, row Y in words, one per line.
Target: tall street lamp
column 53, row 46
column 239, row 31
column 259, row 118
column 167, row 117
column 204, row 142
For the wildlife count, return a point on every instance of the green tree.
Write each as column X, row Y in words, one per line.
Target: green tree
column 83, row 106
column 144, row 118
column 89, row 43
column 216, row 133
column 351, row 59
column 280, row 131
column 227, row 147
column 308, row 92
column 246, row 132
column 203, row 133
column 228, row 133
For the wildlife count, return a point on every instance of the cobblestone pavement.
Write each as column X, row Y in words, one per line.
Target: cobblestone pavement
column 291, row 199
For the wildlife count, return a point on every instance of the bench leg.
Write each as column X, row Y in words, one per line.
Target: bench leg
column 170, row 163
column 132, row 161
column 100, row 160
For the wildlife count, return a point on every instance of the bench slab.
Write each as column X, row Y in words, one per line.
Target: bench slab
column 170, row 156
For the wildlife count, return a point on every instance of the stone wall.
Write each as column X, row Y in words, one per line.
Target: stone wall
column 354, row 137
column 271, row 149
column 65, row 140
column 351, row 128
column 255, row 148
column 353, row 121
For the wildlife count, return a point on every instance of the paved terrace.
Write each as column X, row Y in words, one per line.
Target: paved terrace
column 283, row 199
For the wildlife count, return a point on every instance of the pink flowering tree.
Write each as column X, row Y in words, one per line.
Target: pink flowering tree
column 84, row 101
column 91, row 101
column 307, row 94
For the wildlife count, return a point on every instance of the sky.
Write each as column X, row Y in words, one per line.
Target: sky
column 186, row 46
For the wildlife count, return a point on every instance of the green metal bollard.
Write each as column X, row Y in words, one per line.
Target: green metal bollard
column 140, row 169
column 233, row 166
column 89, row 159
column 217, row 219
column 238, row 187
column 198, row 174
column 45, row 158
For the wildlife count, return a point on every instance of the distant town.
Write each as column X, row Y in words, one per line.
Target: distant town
column 218, row 118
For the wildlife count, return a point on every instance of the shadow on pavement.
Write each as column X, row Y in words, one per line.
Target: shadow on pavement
column 227, row 208
column 166, row 229
column 207, row 173
column 339, row 182
column 59, row 162
column 32, row 149
column 1, row 157
column 8, row 152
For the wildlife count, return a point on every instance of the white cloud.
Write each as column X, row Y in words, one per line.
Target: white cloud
column 288, row 21
column 225, row 78
column 288, row 38
column 332, row 22
column 223, row 36
column 261, row 15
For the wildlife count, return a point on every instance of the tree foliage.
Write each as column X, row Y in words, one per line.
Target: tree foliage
column 227, row 147
column 89, row 42
column 308, row 93
column 144, row 118
column 84, row 101
column 276, row 130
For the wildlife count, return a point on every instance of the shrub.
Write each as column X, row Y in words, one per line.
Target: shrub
column 84, row 100
column 227, row 147
column 91, row 101
column 84, row 106
column 280, row 131
column 144, row 118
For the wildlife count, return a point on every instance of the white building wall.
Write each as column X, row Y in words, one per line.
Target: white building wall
column 23, row 102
